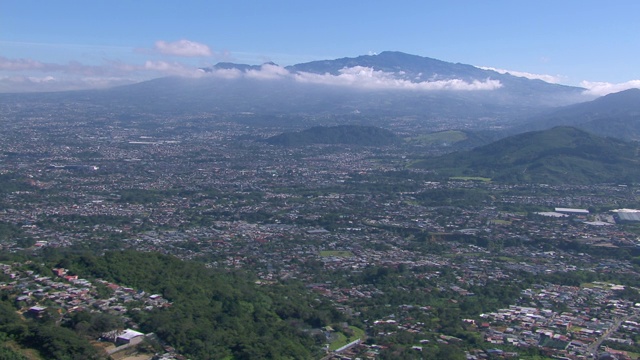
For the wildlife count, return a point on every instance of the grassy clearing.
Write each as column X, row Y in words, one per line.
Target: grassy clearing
column 336, row 253
column 590, row 285
column 470, row 178
column 500, row 222
column 473, row 254
column 438, row 138
column 342, row 340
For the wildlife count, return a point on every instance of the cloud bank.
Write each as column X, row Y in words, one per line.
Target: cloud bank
column 593, row 88
column 27, row 75
column 20, row 64
column 553, row 79
column 183, row 48
column 369, row 78
column 356, row 77
column 604, row 88
column 268, row 72
column 170, row 68
column 50, row 83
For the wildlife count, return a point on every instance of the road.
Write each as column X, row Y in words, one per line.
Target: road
column 593, row 347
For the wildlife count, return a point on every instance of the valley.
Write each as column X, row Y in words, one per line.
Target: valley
column 418, row 262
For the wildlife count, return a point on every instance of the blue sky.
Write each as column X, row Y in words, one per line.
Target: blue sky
column 75, row 44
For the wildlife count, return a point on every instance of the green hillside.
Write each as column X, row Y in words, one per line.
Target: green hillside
column 216, row 314
column 615, row 115
column 558, row 155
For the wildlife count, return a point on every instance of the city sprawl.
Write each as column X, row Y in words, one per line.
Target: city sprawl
column 412, row 261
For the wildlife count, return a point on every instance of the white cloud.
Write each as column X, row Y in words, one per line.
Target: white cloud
column 365, row 78
column 24, row 75
column 604, row 88
column 227, row 73
column 20, row 75
column 163, row 66
column 41, row 79
column 49, row 83
column 20, row 64
column 173, row 68
column 369, row 78
column 72, row 67
column 553, row 79
column 268, row 72
column 107, row 69
column 183, row 48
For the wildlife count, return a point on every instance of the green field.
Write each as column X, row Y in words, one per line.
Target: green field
column 470, row 178
column 342, row 339
column 438, row 138
column 500, row 222
column 338, row 253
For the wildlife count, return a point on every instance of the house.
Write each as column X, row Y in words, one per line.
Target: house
column 70, row 277
column 129, row 337
column 37, row 311
column 60, row 272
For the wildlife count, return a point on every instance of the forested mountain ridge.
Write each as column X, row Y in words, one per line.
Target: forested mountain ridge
column 558, row 155
column 615, row 115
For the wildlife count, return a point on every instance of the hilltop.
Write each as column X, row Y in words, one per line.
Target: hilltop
column 558, row 155
column 615, row 115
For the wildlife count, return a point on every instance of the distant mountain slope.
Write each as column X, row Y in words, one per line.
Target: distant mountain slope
column 407, row 66
column 558, row 155
column 343, row 134
column 615, row 115
column 276, row 90
column 378, row 87
column 418, row 69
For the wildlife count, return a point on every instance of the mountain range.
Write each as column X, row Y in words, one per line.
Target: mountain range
column 372, row 84
column 375, row 87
